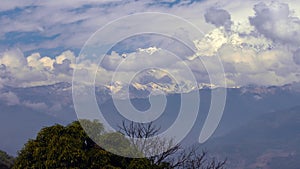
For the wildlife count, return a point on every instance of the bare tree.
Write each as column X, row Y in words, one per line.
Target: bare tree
column 162, row 150
column 142, row 136
column 193, row 158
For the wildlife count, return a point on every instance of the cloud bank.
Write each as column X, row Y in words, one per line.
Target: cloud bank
column 261, row 48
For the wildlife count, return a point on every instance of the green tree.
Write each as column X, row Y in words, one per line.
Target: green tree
column 70, row 147
column 6, row 161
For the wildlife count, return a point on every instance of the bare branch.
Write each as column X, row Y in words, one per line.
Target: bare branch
column 174, row 155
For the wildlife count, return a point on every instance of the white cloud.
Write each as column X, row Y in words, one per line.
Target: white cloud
column 35, row 106
column 276, row 21
column 17, row 70
column 13, row 59
column 257, row 44
column 296, row 56
column 218, row 17
column 142, row 58
column 209, row 45
column 10, row 98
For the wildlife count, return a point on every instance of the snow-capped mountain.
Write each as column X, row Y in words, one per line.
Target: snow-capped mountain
column 32, row 108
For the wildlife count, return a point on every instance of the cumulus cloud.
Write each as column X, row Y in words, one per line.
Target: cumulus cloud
column 218, row 17
column 18, row 70
column 243, row 61
column 13, row 59
column 10, row 98
column 276, row 21
column 253, row 52
column 296, row 56
column 209, row 45
column 263, row 68
column 36, row 61
column 257, row 56
column 63, row 67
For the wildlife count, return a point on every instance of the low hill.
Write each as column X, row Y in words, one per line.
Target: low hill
column 270, row 141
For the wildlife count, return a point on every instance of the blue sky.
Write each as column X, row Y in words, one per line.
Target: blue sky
column 257, row 41
column 32, row 30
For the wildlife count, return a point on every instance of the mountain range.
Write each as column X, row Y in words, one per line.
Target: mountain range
column 270, row 141
column 246, row 135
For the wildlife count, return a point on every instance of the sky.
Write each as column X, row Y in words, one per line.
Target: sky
column 257, row 42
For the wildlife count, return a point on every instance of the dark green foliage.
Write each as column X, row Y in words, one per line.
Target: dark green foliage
column 70, row 147
column 6, row 161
